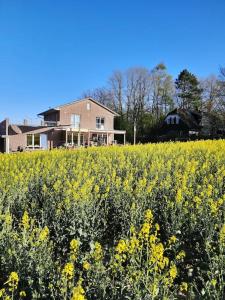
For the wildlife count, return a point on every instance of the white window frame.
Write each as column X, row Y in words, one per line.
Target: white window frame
column 88, row 106
column 75, row 123
column 33, row 146
column 100, row 125
column 172, row 119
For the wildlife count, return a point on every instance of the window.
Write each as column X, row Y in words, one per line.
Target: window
column 172, row 119
column 36, row 140
column 100, row 123
column 33, row 140
column 29, row 140
column 75, row 121
column 88, row 106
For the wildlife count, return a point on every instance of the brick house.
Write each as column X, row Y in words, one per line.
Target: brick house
column 83, row 122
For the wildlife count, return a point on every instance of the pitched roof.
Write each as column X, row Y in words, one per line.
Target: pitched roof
column 191, row 118
column 77, row 101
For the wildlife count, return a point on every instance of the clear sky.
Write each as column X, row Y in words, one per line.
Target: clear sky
column 51, row 50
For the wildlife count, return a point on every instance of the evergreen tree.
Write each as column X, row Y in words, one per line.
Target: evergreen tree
column 188, row 91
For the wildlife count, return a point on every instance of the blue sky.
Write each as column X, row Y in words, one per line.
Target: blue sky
column 51, row 51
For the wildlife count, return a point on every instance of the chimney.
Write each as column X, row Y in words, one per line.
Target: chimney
column 25, row 122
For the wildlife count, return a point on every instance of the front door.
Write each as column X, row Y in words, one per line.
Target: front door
column 44, row 141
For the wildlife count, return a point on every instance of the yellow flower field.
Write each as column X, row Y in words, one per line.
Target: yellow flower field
column 132, row 222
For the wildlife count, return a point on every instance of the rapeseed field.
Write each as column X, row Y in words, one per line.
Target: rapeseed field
column 133, row 222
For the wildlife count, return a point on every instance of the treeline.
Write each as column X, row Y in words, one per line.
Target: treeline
column 143, row 97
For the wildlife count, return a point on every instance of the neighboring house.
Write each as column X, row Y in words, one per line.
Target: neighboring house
column 181, row 123
column 79, row 123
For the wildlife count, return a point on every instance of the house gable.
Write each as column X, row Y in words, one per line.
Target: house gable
column 87, row 110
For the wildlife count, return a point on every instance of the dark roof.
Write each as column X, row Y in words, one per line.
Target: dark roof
column 15, row 128
column 47, row 112
column 76, row 101
column 3, row 125
column 191, row 118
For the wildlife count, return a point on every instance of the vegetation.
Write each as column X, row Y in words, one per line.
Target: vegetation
column 133, row 222
column 188, row 91
column 143, row 97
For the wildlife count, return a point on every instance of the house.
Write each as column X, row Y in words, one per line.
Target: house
column 181, row 123
column 83, row 122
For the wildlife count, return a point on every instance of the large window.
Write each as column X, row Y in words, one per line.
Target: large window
column 33, row 140
column 75, row 121
column 29, row 140
column 100, row 123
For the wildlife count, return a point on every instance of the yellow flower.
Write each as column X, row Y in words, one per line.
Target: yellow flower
column 209, row 190
column 96, row 189
column 172, row 239
column 148, row 215
column 26, row 220
column 8, row 219
column 152, row 239
column 173, row 272
column 213, row 282
column 145, row 230
column 179, row 196
column 13, row 281
column 68, row 271
column 74, row 246
column 44, row 234
column 98, row 253
column 23, row 294
column 184, row 287
column 2, row 292
column 121, row 247
column 157, row 255
column 197, row 200
column 157, row 227
column 133, row 245
column 78, row 292
column 180, row 255
column 86, row 265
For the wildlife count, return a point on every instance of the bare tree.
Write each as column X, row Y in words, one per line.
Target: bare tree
column 211, row 93
column 102, row 95
column 137, row 91
column 116, row 86
column 213, row 107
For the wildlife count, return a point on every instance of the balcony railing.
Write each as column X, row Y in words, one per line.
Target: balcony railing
column 50, row 123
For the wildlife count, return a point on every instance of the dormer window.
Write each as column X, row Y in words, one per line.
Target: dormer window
column 172, row 119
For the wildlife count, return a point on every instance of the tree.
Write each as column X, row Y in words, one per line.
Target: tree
column 162, row 91
column 211, row 93
column 116, row 85
column 102, row 95
column 137, row 92
column 213, row 108
column 188, row 91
